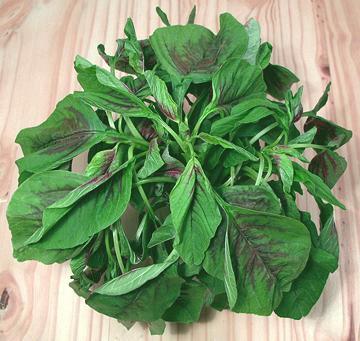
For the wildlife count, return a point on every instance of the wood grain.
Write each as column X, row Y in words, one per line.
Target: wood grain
column 38, row 41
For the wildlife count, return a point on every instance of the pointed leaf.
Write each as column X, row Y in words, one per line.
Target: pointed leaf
column 227, row 145
column 315, row 185
column 195, row 218
column 162, row 16
column 160, row 92
column 229, row 276
column 153, row 161
column 136, row 278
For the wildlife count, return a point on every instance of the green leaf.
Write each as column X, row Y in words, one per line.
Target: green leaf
column 227, row 145
column 192, row 15
column 248, row 79
column 329, row 166
column 328, row 238
column 125, row 247
column 264, row 55
column 100, row 163
column 160, row 92
column 252, row 197
column 153, row 161
column 270, row 252
column 328, row 133
column 293, row 104
column 157, row 327
column 188, row 306
column 26, row 209
column 315, row 185
column 147, row 303
column 304, row 138
column 229, row 276
column 162, row 234
column 253, row 30
column 181, row 51
column 136, row 278
column 194, row 212
column 162, row 16
column 104, row 91
column 251, row 109
column 286, row 171
column 70, row 130
column 278, row 80
column 307, row 288
column 214, row 260
column 92, row 213
column 323, row 99
column 193, row 52
column 287, row 200
column 133, row 48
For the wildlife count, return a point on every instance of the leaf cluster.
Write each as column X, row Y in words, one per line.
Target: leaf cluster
column 205, row 139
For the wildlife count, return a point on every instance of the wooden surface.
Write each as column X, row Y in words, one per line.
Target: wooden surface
column 318, row 39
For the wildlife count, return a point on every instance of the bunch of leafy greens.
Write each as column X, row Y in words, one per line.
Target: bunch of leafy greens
column 200, row 139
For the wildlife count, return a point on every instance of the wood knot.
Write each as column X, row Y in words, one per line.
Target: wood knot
column 4, row 299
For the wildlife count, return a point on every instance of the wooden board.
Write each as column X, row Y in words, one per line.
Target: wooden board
column 318, row 39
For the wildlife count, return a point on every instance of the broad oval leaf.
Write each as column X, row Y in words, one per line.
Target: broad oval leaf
column 94, row 212
column 307, row 288
column 70, row 130
column 25, row 212
column 252, row 197
column 328, row 133
column 329, row 166
column 270, row 251
column 248, row 79
column 193, row 52
column 278, row 80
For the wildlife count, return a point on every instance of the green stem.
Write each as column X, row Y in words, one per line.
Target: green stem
column 107, row 245
column 232, row 176
column 261, row 170
column 278, row 139
column 307, row 145
column 132, row 128
column 250, row 172
column 269, row 171
column 126, row 138
column 176, row 137
column 117, row 249
column 109, row 113
column 146, row 201
column 263, row 132
column 156, row 179
column 205, row 114
column 110, row 119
